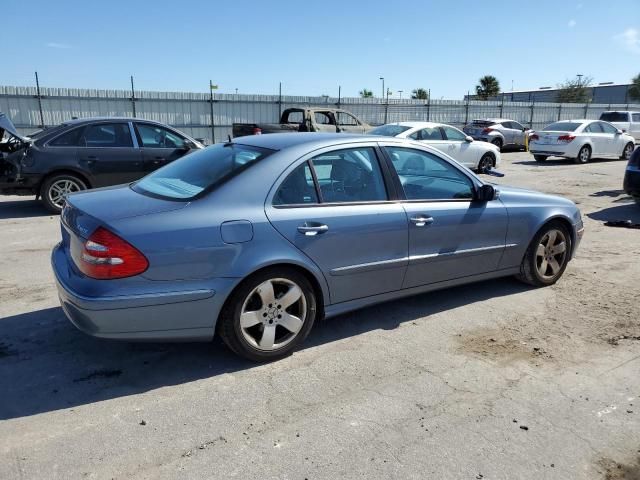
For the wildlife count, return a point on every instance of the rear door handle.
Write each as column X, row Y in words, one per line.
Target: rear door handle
column 311, row 230
column 421, row 220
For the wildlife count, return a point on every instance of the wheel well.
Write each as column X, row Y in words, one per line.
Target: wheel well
column 564, row 222
column 317, row 289
column 64, row 172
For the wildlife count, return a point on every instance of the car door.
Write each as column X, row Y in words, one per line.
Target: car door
column 450, row 234
column 509, row 133
column 347, row 123
column 324, row 122
column 615, row 142
column 159, row 145
column 109, row 151
column 598, row 138
column 518, row 134
column 459, row 148
column 634, row 126
column 333, row 205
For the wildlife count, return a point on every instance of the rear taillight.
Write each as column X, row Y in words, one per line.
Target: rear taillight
column 257, row 131
column 487, row 130
column 566, row 138
column 534, row 137
column 107, row 256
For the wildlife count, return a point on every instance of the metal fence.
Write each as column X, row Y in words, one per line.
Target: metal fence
column 211, row 116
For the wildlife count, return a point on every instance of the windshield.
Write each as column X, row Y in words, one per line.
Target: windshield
column 561, row 127
column 615, row 117
column 389, row 130
column 482, row 123
column 201, row 170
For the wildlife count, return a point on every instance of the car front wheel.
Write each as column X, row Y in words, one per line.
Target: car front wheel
column 56, row 188
column 628, row 150
column 268, row 315
column 486, row 163
column 540, row 158
column 547, row 256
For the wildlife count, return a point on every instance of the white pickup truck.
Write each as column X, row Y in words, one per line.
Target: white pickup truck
column 628, row 122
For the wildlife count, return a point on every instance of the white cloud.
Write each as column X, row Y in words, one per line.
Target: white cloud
column 572, row 23
column 629, row 39
column 57, row 45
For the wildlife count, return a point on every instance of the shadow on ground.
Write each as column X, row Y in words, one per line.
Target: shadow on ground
column 558, row 162
column 47, row 365
column 625, row 211
column 22, row 209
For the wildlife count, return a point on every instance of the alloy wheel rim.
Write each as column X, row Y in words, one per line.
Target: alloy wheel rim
column 485, row 164
column 627, row 152
column 60, row 189
column 584, row 154
column 273, row 314
column 551, row 253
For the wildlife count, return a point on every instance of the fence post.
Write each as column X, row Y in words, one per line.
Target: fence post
column 39, row 97
column 533, row 106
column 213, row 125
column 133, row 98
column 586, row 110
column 466, row 110
column 339, row 95
column 429, row 105
column 559, row 111
column 502, row 106
column 280, row 101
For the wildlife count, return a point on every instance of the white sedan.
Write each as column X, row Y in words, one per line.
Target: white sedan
column 479, row 156
column 581, row 140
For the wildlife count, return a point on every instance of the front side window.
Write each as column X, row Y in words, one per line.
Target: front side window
column 593, row 128
column 350, row 175
column 429, row 133
column 69, row 139
column 346, row 120
column 425, row 176
column 298, row 188
column 201, row 170
column 107, row 135
column 153, row 136
column 454, row 134
column 607, row 128
column 517, row 126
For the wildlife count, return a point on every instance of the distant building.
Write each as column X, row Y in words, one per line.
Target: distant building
column 606, row 93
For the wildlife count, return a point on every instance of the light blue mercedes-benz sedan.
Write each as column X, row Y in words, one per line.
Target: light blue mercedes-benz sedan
column 258, row 238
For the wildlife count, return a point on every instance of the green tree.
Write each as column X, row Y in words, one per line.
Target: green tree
column 574, row 91
column 365, row 93
column 634, row 89
column 488, row 86
column 420, row 94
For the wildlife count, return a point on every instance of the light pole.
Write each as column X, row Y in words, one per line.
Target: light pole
column 400, row 93
column 579, row 75
column 236, row 91
column 382, row 78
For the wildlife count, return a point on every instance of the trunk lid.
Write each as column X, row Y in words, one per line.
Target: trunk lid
column 550, row 137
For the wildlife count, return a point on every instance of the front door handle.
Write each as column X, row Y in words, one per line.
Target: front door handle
column 311, row 230
column 421, row 220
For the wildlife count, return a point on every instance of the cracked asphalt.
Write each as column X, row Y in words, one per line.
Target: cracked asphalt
column 494, row 380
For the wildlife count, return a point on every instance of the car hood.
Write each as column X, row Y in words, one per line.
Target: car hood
column 517, row 194
column 118, row 202
column 7, row 125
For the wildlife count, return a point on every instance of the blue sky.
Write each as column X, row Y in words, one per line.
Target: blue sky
column 312, row 47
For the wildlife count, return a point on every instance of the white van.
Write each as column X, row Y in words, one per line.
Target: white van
column 628, row 122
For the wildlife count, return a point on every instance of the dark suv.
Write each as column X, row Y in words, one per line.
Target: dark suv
column 631, row 184
column 85, row 153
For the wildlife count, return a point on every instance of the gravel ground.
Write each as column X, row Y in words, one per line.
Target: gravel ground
column 494, row 380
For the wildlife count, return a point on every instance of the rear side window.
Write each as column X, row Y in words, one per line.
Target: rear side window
column 69, row 139
column 562, row 127
column 453, row 134
column 201, row 170
column 615, row 117
column 298, row 188
column 107, row 135
column 323, row 118
column 635, row 117
column 295, row 116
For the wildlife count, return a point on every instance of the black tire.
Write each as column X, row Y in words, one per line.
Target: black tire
column 49, row 195
column 487, row 162
column 497, row 142
column 540, row 158
column 627, row 151
column 529, row 268
column 583, row 157
column 235, row 337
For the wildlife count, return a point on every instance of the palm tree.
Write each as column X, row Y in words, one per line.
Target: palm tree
column 365, row 93
column 634, row 89
column 488, row 86
column 420, row 94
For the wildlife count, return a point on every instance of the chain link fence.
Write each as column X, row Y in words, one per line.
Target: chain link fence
column 210, row 116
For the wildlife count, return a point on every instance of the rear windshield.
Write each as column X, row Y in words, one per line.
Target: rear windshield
column 389, row 130
column 561, row 127
column 200, row 171
column 615, row 117
column 482, row 123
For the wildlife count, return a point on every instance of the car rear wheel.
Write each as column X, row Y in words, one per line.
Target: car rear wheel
column 547, row 256
column 584, row 155
column 268, row 315
column 486, row 163
column 497, row 142
column 55, row 188
column 540, row 158
column 628, row 150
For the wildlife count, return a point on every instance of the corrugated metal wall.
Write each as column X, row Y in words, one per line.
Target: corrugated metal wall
column 191, row 112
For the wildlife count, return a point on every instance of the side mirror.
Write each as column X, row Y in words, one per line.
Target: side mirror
column 468, row 138
column 486, row 193
column 619, row 132
column 188, row 145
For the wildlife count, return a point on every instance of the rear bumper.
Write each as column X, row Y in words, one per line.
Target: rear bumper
column 175, row 315
column 631, row 184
